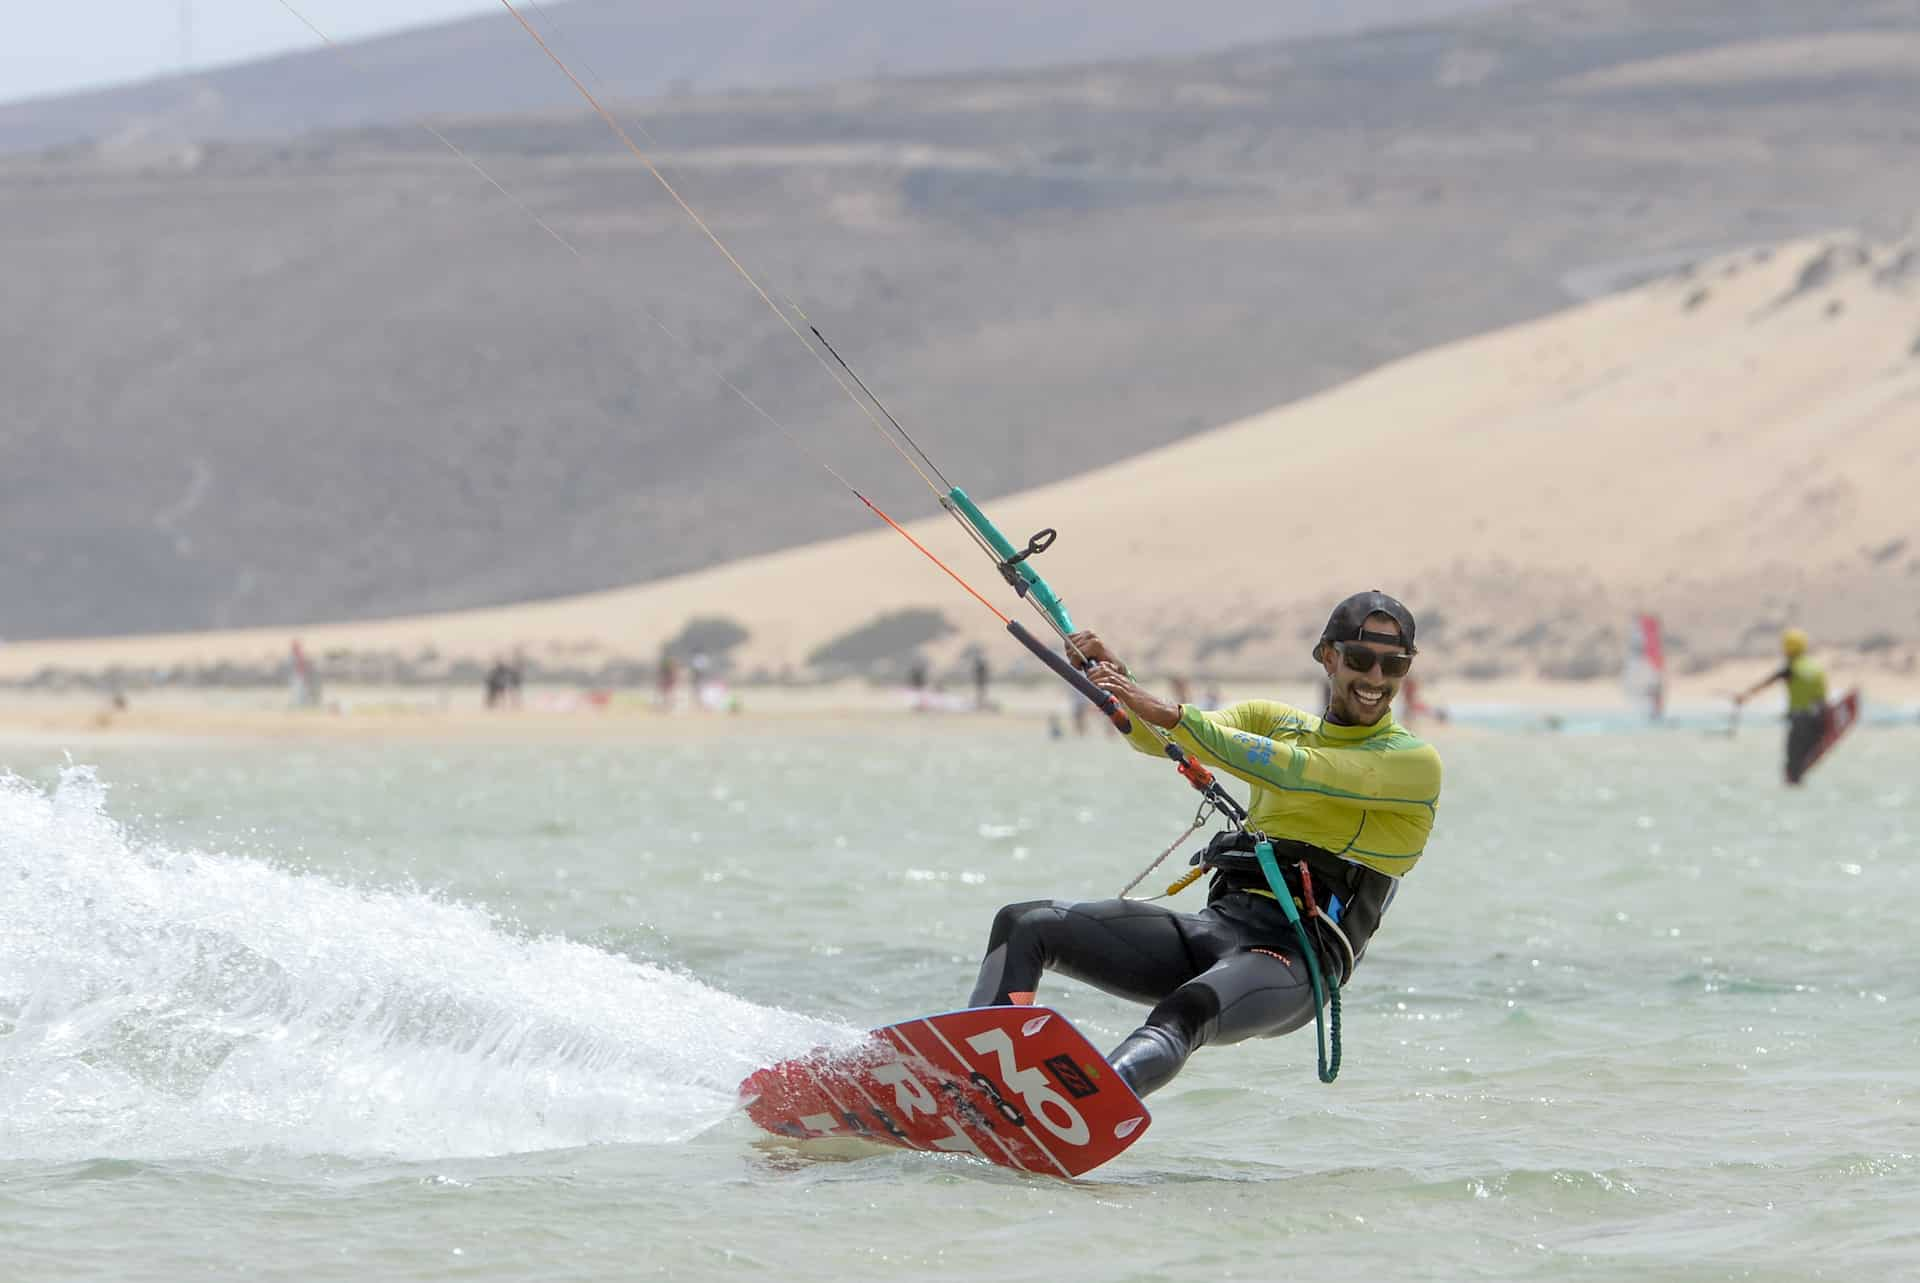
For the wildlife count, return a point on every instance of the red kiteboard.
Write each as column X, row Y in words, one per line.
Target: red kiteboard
column 1017, row 1086
column 1841, row 714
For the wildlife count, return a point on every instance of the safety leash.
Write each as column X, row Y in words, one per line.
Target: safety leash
column 1329, row 1068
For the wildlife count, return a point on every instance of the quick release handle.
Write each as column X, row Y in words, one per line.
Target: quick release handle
column 1073, row 677
column 1202, row 779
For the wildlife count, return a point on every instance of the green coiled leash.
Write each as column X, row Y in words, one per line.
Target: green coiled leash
column 1329, row 1062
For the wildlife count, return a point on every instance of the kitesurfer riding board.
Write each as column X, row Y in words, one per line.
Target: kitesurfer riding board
column 1345, row 802
column 1813, row 726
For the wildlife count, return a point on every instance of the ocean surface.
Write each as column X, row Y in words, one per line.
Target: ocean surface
column 406, row 1012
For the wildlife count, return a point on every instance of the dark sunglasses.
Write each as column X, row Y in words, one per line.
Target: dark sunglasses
column 1362, row 660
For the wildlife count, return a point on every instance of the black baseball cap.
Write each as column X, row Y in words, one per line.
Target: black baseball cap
column 1348, row 620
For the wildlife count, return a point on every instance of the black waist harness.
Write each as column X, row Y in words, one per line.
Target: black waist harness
column 1353, row 895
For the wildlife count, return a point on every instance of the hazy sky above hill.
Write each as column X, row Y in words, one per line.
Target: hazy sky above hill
column 54, row 47
column 81, row 44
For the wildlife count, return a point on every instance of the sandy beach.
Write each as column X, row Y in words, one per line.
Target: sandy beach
column 1026, row 711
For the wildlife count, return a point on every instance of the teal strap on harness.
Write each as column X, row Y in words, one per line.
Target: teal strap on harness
column 1329, row 1063
column 1012, row 563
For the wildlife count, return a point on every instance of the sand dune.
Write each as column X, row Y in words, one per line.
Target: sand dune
column 1734, row 446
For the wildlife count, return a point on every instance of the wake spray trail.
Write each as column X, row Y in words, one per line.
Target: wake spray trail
column 156, row 1003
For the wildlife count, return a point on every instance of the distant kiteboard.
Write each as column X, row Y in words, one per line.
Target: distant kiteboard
column 1016, row 1086
column 1841, row 714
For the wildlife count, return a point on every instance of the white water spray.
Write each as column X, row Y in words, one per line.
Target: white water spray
column 156, row 1003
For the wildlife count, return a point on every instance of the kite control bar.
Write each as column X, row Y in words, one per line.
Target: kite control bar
column 1073, row 677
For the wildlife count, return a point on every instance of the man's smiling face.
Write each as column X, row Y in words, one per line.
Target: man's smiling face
column 1361, row 699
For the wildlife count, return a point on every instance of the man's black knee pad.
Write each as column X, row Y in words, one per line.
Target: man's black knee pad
column 1005, row 921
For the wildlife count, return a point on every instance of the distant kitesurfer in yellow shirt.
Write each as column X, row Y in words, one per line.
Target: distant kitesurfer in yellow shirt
column 1347, row 800
column 1806, row 700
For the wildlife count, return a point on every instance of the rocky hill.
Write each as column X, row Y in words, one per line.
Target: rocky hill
column 342, row 377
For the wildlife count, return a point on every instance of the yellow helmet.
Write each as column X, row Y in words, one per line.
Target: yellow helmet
column 1794, row 643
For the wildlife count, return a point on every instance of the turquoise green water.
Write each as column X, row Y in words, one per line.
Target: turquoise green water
column 412, row 1012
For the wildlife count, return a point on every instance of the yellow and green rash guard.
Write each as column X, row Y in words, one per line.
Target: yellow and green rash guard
column 1364, row 793
column 1806, row 683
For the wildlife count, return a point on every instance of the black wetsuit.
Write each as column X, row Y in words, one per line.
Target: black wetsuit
column 1232, row 971
column 1805, row 729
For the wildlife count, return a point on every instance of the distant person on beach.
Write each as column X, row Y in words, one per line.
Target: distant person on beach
column 980, row 675
column 1806, row 700
column 1347, row 802
column 1413, row 706
column 1417, row 706
column 1410, row 705
column 668, row 682
column 306, row 680
column 499, row 683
